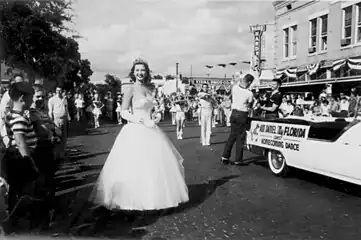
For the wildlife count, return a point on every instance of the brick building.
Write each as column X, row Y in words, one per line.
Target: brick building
column 318, row 44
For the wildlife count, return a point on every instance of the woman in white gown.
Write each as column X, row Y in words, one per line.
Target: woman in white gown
column 144, row 170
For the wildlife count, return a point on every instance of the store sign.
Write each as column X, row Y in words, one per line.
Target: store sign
column 277, row 136
column 257, row 31
column 257, row 50
column 213, row 83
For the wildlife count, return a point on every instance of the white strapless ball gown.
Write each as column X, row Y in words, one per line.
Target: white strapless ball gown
column 143, row 171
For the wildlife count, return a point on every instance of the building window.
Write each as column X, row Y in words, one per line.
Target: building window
column 313, row 36
column 294, row 40
column 323, row 32
column 286, row 40
column 358, row 23
column 346, row 26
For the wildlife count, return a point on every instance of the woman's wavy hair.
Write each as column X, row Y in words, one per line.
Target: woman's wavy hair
column 148, row 78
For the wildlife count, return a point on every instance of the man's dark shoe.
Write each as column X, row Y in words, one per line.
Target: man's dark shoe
column 239, row 163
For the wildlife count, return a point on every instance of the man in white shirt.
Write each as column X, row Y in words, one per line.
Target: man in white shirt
column 242, row 100
column 206, row 104
column 58, row 112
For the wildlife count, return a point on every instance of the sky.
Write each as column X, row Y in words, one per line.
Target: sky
column 163, row 32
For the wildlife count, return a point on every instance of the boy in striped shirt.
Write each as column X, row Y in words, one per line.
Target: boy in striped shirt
column 18, row 165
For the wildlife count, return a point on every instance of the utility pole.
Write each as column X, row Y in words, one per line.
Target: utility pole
column 191, row 71
column 176, row 72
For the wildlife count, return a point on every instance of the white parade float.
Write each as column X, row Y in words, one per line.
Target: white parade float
column 326, row 146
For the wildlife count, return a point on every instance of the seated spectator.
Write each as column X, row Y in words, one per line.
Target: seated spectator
column 298, row 111
column 325, row 108
column 316, row 108
column 307, row 112
column 288, row 109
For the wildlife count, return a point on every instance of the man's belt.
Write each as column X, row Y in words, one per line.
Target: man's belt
column 60, row 116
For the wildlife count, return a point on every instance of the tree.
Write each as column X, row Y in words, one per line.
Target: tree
column 32, row 34
column 158, row 76
column 113, row 82
column 85, row 70
column 78, row 76
column 102, row 88
column 169, row 77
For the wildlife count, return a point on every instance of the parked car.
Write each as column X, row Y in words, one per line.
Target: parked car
column 330, row 147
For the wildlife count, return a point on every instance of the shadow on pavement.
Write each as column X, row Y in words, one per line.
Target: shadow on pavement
column 84, row 128
column 217, row 143
column 77, row 129
column 86, row 155
column 198, row 193
column 87, row 220
column 327, row 182
column 314, row 178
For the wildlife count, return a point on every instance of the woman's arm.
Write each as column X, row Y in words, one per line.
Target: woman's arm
column 125, row 112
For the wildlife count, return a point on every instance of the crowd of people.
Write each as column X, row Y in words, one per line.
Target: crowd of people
column 34, row 129
column 325, row 105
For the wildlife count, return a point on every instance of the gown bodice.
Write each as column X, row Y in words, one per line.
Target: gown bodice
column 142, row 106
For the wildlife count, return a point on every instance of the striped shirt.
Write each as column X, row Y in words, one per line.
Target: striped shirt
column 18, row 123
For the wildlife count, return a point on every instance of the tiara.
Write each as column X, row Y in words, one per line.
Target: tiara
column 139, row 61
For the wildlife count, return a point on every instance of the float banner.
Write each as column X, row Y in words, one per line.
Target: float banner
column 277, row 136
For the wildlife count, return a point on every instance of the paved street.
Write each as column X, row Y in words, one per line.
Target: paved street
column 227, row 202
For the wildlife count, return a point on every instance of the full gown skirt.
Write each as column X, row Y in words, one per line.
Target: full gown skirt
column 144, row 171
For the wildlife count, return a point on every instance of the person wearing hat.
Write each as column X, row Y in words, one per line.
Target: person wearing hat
column 272, row 105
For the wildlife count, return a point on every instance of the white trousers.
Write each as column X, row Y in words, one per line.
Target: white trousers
column 227, row 113
column 179, row 118
column 206, row 125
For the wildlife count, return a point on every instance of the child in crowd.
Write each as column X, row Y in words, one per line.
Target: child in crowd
column 19, row 162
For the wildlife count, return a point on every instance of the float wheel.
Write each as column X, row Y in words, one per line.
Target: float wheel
column 277, row 163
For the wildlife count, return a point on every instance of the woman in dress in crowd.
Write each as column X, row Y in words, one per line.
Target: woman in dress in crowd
column 143, row 171
column 97, row 110
column 173, row 109
column 226, row 104
column 119, row 109
column 180, row 117
column 162, row 107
